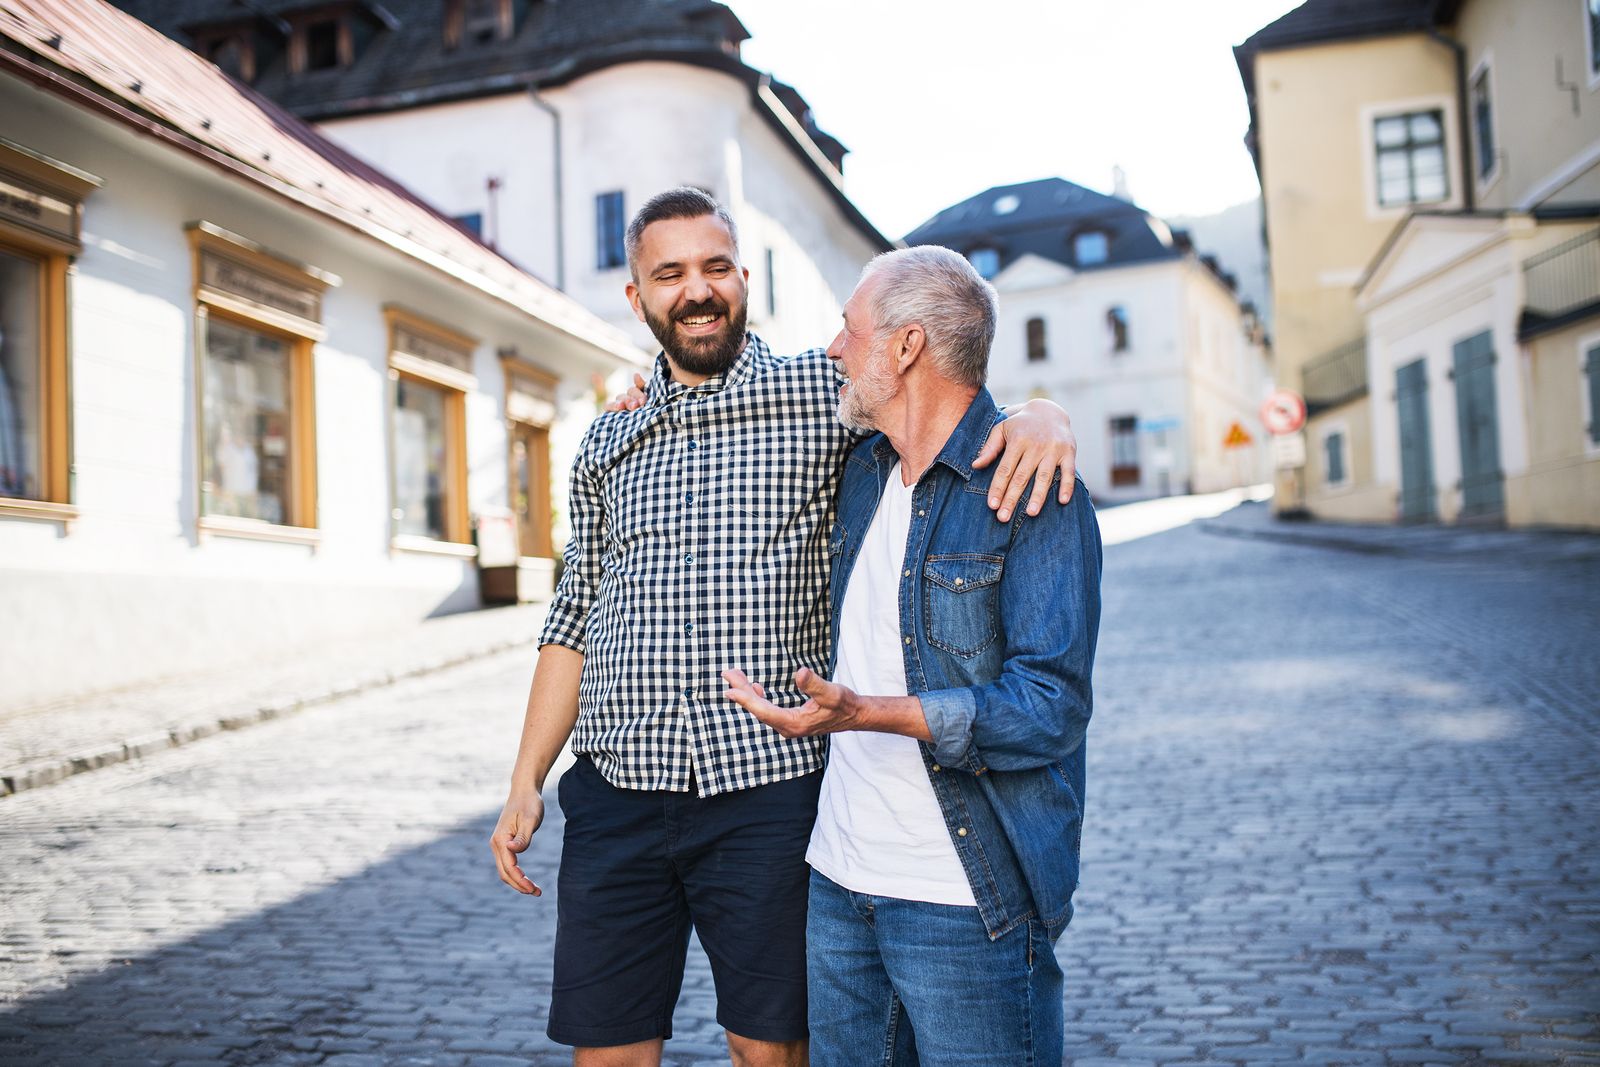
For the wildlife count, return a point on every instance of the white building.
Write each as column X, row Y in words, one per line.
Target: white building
column 1110, row 314
column 545, row 125
column 256, row 395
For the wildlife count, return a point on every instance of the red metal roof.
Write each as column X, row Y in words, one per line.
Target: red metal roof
column 98, row 56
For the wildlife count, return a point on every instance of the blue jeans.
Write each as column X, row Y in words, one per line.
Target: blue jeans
column 904, row 983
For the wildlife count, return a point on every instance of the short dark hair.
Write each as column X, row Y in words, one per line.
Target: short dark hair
column 684, row 202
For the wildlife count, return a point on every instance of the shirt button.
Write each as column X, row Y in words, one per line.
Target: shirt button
column 908, row 639
column 693, row 445
column 688, row 557
column 958, row 581
column 688, row 498
column 688, row 627
column 907, row 572
column 687, row 693
column 936, row 767
column 920, row 512
column 962, row 832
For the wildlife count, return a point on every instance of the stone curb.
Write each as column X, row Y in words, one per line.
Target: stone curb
column 1224, row 529
column 57, row 768
column 1381, row 545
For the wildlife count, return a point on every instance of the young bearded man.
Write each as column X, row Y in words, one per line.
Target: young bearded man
column 699, row 541
column 945, row 850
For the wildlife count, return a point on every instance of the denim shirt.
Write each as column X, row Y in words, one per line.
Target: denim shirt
column 999, row 623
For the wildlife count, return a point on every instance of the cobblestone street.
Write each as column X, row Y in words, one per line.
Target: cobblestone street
column 1342, row 809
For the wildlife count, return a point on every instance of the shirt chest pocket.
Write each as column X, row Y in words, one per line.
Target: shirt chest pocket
column 961, row 601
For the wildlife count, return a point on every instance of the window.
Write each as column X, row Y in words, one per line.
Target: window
column 1005, row 205
column 322, row 45
column 1483, row 122
column 1117, row 327
column 1591, row 375
column 1333, row 447
column 986, row 261
column 248, row 447
column 256, row 321
column 431, row 366
column 1591, row 18
column 233, row 56
column 40, row 215
column 1036, row 345
column 772, row 286
column 1410, row 158
column 472, row 221
column 1125, row 450
column 1090, row 248
column 609, row 224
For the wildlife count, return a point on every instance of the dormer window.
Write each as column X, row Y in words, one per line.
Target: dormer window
column 321, row 41
column 1090, row 248
column 322, row 44
column 234, row 56
column 986, row 261
column 479, row 22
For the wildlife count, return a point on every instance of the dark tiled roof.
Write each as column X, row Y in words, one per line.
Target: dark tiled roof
column 1319, row 21
column 401, row 60
column 1049, row 213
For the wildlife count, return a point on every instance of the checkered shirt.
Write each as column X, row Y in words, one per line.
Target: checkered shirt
column 699, row 543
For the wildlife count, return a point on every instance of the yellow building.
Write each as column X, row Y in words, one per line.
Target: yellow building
column 1431, row 184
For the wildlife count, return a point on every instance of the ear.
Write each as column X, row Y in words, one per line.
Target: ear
column 910, row 343
column 633, row 298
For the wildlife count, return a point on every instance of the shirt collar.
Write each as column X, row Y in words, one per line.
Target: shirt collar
column 663, row 387
column 964, row 442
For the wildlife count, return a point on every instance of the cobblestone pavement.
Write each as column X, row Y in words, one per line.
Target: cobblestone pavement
column 1342, row 810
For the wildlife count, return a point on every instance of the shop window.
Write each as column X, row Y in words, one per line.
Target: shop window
column 258, row 317
column 1125, row 450
column 1036, row 344
column 41, row 212
column 431, row 367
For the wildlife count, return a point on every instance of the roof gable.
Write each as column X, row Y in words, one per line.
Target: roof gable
column 1029, row 271
column 1422, row 245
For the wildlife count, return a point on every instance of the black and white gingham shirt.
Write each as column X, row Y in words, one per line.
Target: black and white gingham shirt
column 699, row 543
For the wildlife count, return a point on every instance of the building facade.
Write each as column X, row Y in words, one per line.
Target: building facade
column 1111, row 314
column 256, row 396
column 545, row 125
column 1432, row 206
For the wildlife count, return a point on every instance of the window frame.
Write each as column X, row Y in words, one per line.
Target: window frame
column 1118, row 474
column 1105, row 240
column 457, row 385
column 1038, row 348
column 1120, row 328
column 534, row 379
column 602, row 260
column 54, row 247
column 1589, row 416
column 302, row 523
column 1484, row 71
column 1367, row 130
column 1335, row 428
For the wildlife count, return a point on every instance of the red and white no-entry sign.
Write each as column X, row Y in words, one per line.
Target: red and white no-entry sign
column 1283, row 412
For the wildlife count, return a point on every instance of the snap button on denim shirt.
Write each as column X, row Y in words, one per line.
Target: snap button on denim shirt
column 1000, row 622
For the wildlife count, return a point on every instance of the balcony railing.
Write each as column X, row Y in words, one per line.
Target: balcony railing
column 1336, row 377
column 1562, row 284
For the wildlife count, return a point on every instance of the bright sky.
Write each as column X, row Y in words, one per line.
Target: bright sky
column 940, row 99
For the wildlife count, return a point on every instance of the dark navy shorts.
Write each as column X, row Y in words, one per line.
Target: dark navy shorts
column 640, row 868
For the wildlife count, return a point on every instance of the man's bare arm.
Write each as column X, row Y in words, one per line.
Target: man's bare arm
column 552, row 712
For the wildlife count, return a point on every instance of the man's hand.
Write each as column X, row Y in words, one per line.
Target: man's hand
column 829, row 709
column 633, row 398
column 512, row 834
column 1037, row 439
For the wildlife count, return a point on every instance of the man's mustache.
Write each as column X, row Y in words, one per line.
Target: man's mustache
column 703, row 307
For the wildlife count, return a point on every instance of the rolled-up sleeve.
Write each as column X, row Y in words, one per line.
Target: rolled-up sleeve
column 567, row 621
column 1037, row 710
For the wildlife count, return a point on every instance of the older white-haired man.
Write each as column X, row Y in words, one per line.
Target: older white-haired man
column 945, row 851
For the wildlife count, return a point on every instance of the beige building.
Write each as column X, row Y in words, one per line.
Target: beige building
column 1432, row 203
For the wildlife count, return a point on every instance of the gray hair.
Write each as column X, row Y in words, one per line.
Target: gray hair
column 939, row 290
column 684, row 202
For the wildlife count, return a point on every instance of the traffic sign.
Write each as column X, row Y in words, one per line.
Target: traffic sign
column 1237, row 437
column 1283, row 412
column 1289, row 451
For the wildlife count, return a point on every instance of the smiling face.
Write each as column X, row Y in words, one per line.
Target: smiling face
column 863, row 358
column 691, row 291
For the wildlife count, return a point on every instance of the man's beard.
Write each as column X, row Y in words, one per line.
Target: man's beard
column 710, row 354
column 866, row 395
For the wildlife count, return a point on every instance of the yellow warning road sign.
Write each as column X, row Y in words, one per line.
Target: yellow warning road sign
column 1237, row 437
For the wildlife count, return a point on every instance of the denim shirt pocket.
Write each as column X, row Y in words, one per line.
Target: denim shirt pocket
column 961, row 601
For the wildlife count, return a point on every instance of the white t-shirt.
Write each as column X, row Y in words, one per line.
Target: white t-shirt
column 879, row 829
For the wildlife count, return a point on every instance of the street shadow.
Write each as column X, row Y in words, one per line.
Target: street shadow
column 423, row 957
